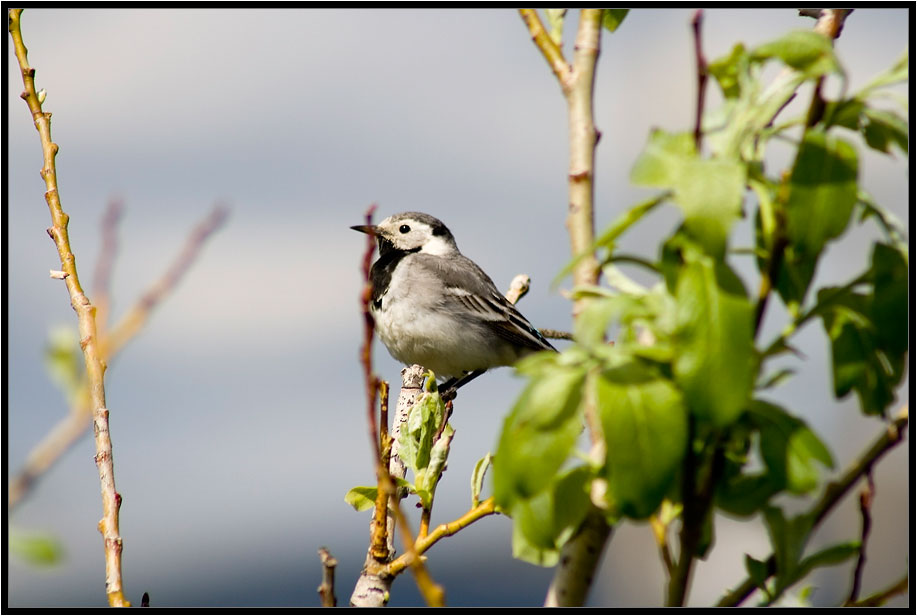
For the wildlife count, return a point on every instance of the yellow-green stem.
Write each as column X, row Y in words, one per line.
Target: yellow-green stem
column 95, row 366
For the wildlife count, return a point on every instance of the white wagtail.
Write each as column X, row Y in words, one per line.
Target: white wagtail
column 435, row 307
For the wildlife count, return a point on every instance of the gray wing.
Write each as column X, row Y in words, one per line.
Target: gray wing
column 467, row 288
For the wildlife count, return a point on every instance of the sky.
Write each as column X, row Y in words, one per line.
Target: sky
column 237, row 414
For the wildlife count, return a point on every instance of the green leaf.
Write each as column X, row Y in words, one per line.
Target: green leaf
column 789, row 447
column 868, row 332
column 608, row 237
column 593, row 321
column 775, row 379
column 709, row 192
column 833, row 555
column 539, row 434
column 361, row 498
column 426, row 479
column 893, row 228
column 882, row 128
column 726, row 70
column 788, row 538
column 64, row 361
column 844, row 113
column 822, row 192
column 645, row 426
column 612, row 18
column 889, row 305
column 745, row 495
column 416, row 437
column 477, row 478
column 37, row 549
column 526, row 551
column 715, row 362
column 804, row 50
column 661, row 163
column 757, row 570
column 543, row 523
column 897, row 73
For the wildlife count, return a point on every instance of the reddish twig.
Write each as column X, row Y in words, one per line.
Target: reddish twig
column 696, row 23
column 366, row 358
column 138, row 315
column 101, row 280
column 866, row 496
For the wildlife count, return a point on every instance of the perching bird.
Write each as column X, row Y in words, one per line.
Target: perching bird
column 435, row 307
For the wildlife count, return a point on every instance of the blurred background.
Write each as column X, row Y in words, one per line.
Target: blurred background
column 237, row 415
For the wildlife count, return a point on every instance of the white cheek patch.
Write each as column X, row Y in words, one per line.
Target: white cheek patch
column 436, row 245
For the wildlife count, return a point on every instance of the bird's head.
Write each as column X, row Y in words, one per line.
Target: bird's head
column 411, row 232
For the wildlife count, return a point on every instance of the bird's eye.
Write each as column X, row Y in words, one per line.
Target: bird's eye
column 404, row 228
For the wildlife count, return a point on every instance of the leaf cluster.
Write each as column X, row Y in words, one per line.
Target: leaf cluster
column 679, row 399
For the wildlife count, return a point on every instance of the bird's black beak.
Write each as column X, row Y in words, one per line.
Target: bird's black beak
column 368, row 229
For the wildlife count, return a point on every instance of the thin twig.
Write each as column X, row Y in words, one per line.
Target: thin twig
column 556, row 334
column 829, row 23
column 139, row 314
column 326, row 589
column 379, row 540
column 432, row 593
column 518, row 288
column 696, row 23
column 879, row 598
column 95, row 365
column 484, row 509
column 834, row 492
column 660, row 532
column 366, row 359
column 101, row 279
column 866, row 497
column 69, row 429
column 549, row 49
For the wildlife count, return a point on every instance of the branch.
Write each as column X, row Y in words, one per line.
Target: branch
column 101, row 280
column 69, row 429
column 326, row 589
column 834, row 492
column 139, row 314
column 484, row 509
column 95, row 365
column 696, row 22
column 373, row 586
column 548, row 48
column 579, row 559
column 583, row 140
column 580, row 555
column 866, row 496
column 697, row 503
column 884, row 595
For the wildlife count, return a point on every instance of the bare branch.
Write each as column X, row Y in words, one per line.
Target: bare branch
column 326, row 589
column 548, row 48
column 138, row 315
column 101, row 280
column 696, row 23
column 69, row 429
column 92, row 355
column 866, row 496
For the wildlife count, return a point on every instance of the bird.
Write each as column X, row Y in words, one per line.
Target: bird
column 434, row 306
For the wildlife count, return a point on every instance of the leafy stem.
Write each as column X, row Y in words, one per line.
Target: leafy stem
column 891, row 436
